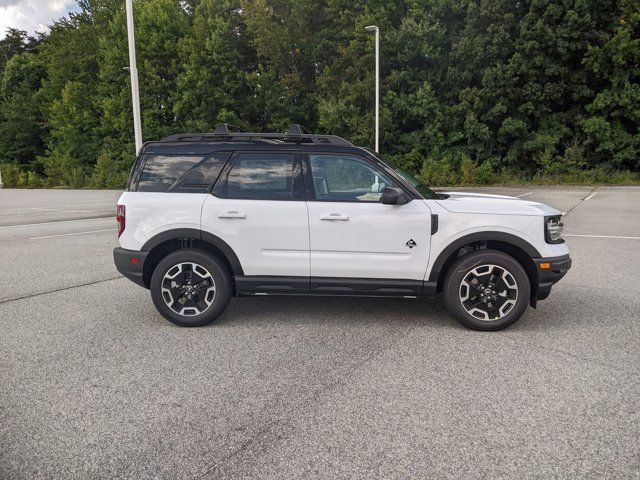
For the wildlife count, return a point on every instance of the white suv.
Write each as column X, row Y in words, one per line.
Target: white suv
column 209, row 216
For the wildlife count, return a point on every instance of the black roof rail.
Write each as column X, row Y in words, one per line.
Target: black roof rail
column 226, row 129
column 223, row 133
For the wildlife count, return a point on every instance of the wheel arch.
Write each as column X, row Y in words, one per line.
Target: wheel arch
column 510, row 244
column 166, row 242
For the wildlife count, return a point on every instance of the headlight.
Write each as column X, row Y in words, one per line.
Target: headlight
column 553, row 227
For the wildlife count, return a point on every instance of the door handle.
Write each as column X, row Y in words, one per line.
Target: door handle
column 232, row 214
column 334, row 216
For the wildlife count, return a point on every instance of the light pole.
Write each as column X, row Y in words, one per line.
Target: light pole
column 376, row 29
column 133, row 71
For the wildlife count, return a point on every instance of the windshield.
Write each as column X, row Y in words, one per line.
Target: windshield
column 425, row 191
column 411, row 179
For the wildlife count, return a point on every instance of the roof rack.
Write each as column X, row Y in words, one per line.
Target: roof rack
column 225, row 132
column 296, row 129
column 227, row 128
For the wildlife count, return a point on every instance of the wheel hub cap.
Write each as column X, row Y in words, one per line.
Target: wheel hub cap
column 188, row 289
column 488, row 292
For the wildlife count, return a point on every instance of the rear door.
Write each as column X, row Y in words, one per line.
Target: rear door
column 353, row 235
column 258, row 208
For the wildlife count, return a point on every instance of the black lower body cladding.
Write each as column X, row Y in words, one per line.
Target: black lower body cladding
column 552, row 273
column 130, row 263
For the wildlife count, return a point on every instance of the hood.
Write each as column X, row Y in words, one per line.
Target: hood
column 467, row 202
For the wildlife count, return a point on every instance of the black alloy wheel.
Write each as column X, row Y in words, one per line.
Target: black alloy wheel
column 191, row 287
column 487, row 290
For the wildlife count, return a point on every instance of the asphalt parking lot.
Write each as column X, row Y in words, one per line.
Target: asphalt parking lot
column 95, row 384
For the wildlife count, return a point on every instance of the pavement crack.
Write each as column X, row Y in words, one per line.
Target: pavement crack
column 243, row 446
column 315, row 398
column 594, row 189
column 59, row 290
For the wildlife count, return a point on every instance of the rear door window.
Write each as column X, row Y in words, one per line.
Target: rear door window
column 263, row 176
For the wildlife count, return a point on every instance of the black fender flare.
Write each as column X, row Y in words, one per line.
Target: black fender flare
column 454, row 246
column 186, row 233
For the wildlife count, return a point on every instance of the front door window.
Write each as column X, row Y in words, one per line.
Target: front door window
column 339, row 178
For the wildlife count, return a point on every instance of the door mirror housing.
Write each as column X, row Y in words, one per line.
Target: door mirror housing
column 394, row 196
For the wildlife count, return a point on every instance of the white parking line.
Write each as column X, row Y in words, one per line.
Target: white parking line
column 59, row 221
column 591, row 196
column 43, row 209
column 524, row 194
column 75, row 233
column 602, row 236
column 62, row 210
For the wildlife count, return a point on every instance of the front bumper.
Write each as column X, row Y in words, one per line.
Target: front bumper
column 550, row 271
column 130, row 263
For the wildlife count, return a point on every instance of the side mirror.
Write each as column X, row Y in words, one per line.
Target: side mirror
column 394, row 196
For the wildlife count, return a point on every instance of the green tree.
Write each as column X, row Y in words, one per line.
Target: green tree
column 612, row 127
column 69, row 95
column 472, row 90
column 15, row 42
column 213, row 81
column 346, row 80
column 161, row 24
column 21, row 122
column 285, row 36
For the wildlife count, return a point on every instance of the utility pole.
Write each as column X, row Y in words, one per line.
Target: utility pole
column 133, row 71
column 376, row 29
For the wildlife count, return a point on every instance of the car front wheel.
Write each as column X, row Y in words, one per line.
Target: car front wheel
column 190, row 287
column 487, row 290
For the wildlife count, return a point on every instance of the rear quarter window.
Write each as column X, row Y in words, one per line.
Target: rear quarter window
column 135, row 172
column 181, row 173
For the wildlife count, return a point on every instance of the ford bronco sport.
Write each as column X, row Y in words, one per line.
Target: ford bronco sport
column 209, row 216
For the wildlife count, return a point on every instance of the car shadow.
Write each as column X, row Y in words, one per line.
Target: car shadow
column 314, row 310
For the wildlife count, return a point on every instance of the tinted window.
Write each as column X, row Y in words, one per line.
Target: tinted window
column 347, row 179
column 201, row 176
column 260, row 176
column 181, row 173
column 161, row 171
column 135, row 171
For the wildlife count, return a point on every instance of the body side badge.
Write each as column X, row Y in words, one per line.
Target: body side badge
column 411, row 243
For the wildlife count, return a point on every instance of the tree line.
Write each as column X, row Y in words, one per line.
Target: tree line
column 472, row 91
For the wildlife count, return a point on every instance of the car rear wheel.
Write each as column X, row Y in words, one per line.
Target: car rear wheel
column 190, row 287
column 487, row 290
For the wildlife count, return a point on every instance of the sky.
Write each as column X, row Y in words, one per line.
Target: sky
column 32, row 15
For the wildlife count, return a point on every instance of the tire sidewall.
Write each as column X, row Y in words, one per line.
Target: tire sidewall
column 220, row 276
column 459, row 270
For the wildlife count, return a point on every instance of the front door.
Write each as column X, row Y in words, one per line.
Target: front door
column 353, row 235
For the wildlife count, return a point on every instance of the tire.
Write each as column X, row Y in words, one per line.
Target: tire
column 191, row 287
column 486, row 290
